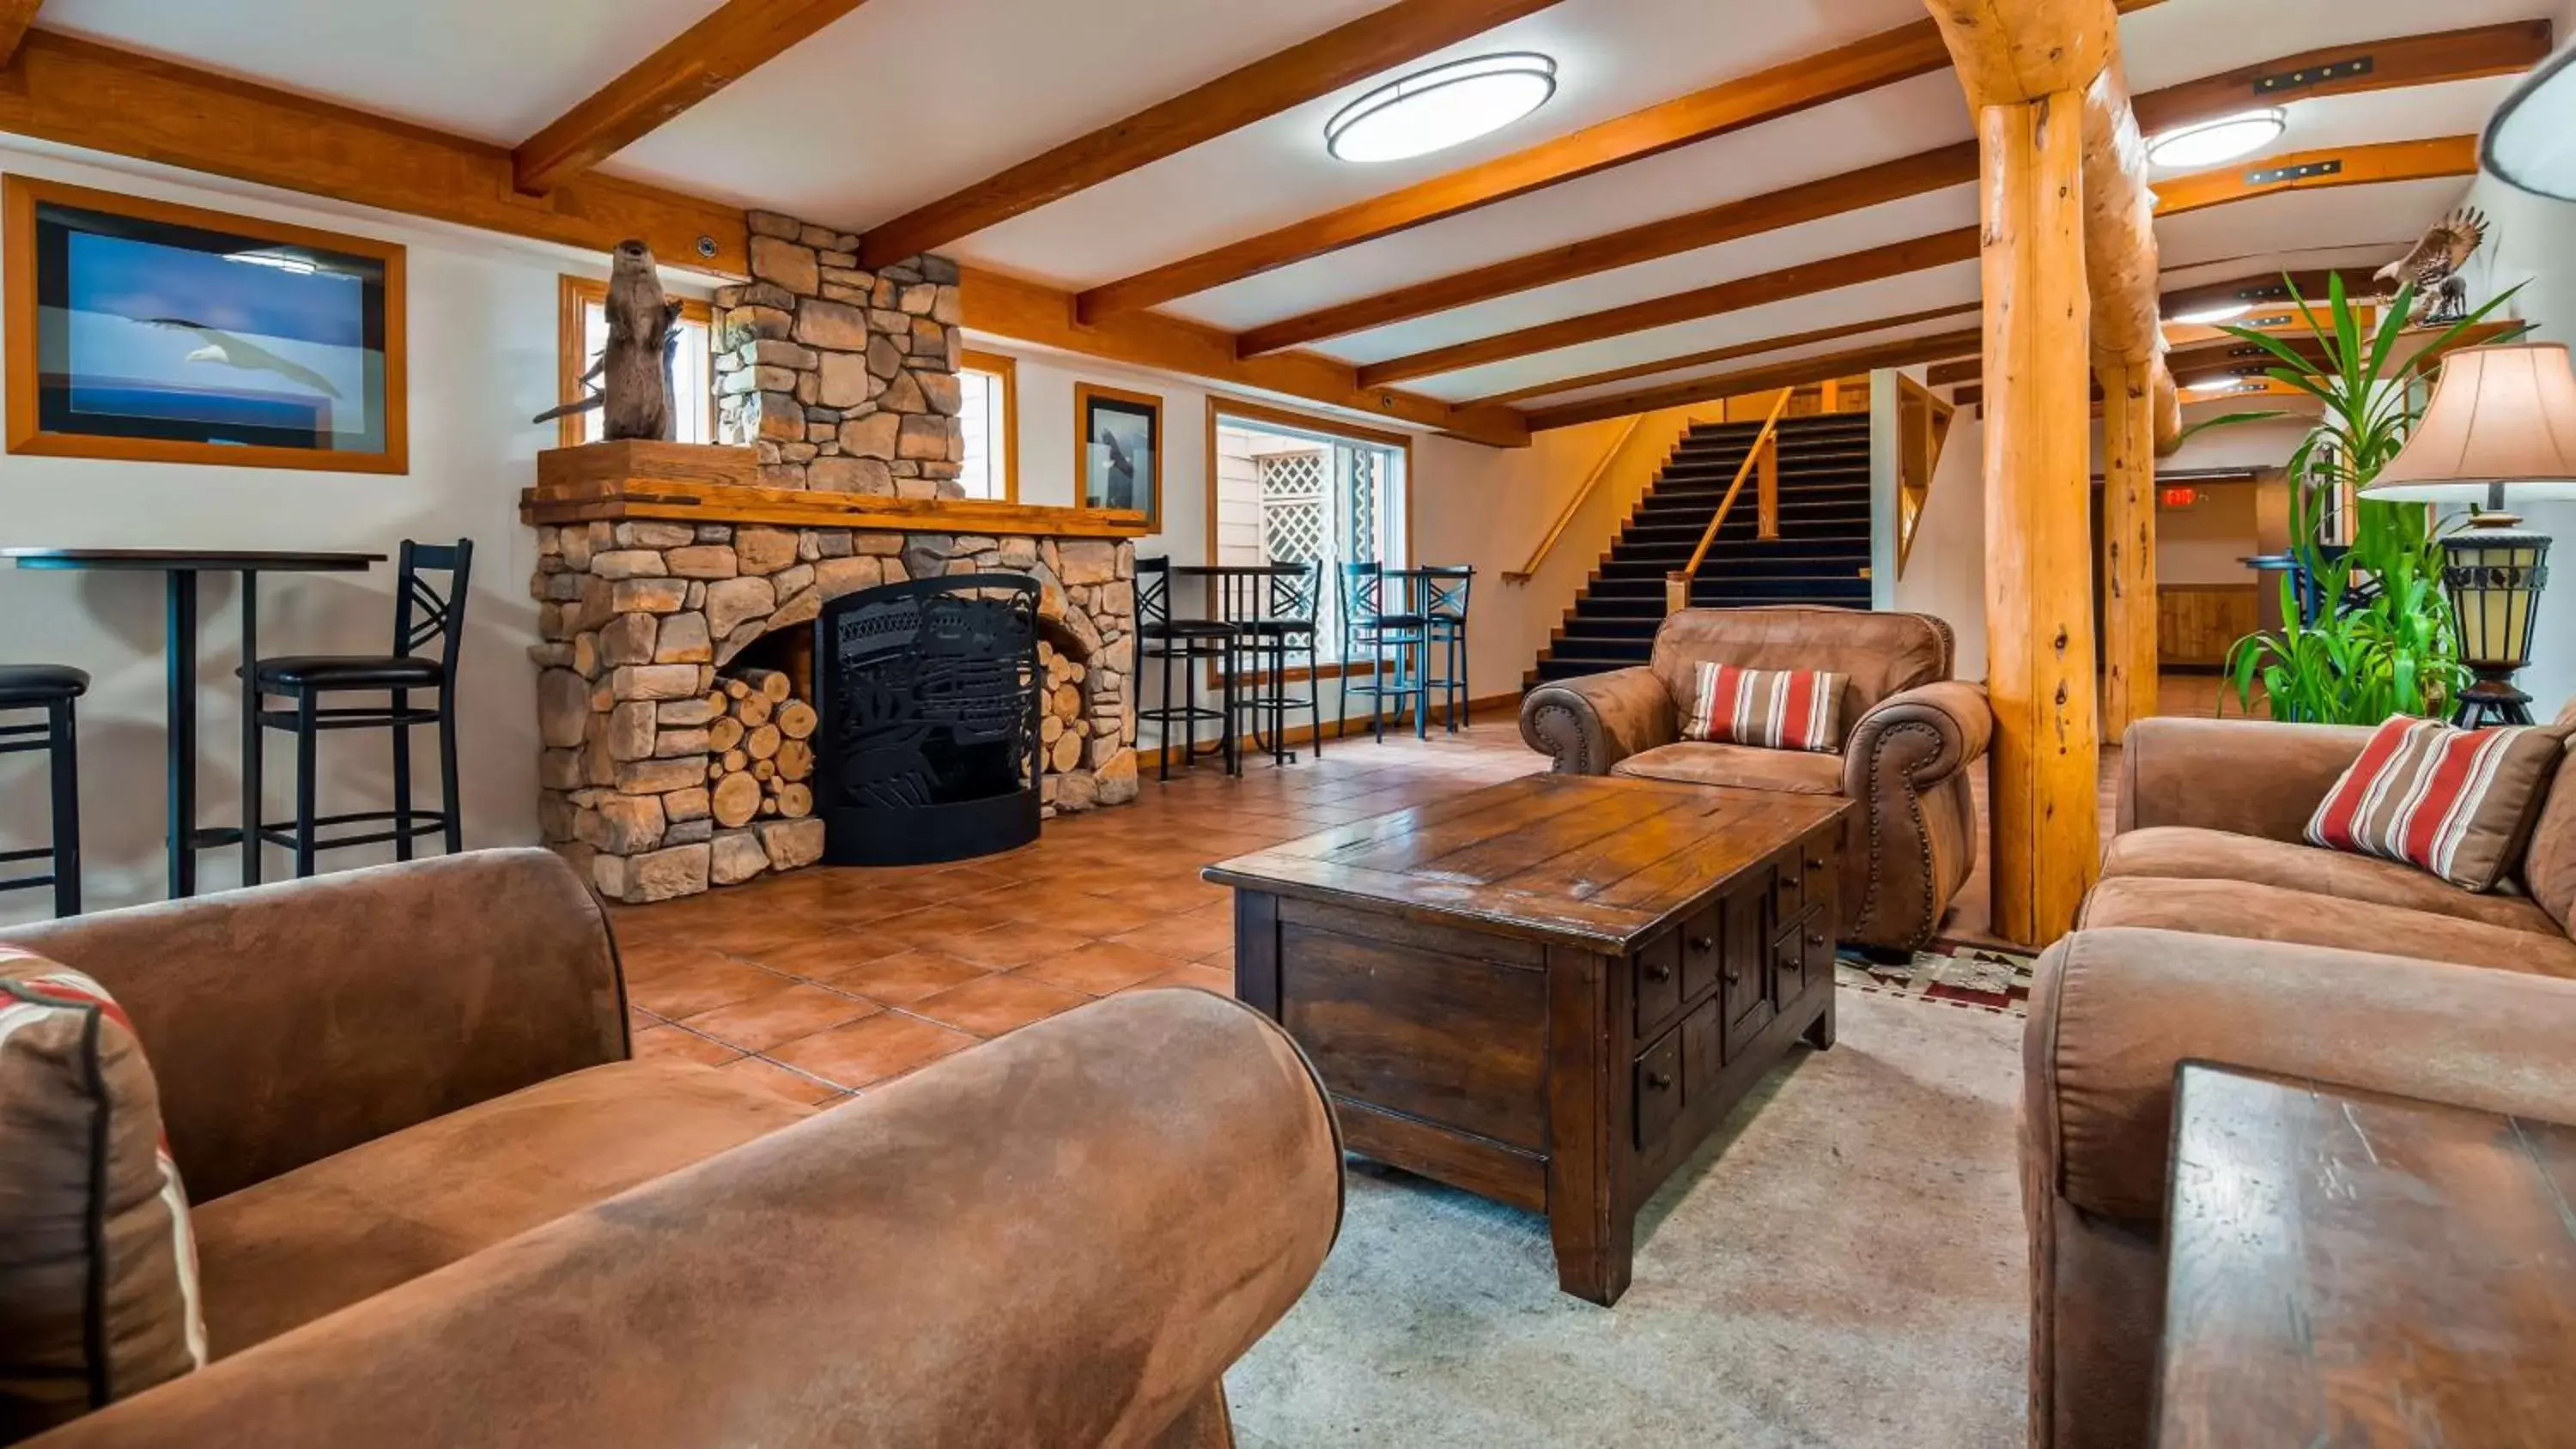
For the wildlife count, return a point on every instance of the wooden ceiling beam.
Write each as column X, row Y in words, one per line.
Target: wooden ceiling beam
column 737, row 38
column 81, row 93
column 2408, row 61
column 1367, row 47
column 15, row 17
column 1798, row 373
column 1725, row 354
column 1028, row 312
column 1824, row 275
column 2264, row 287
column 2361, row 165
column 2377, row 65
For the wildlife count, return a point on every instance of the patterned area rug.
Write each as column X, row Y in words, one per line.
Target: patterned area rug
column 1982, row 980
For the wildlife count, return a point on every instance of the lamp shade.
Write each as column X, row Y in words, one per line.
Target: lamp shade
column 2501, row 429
column 2531, row 143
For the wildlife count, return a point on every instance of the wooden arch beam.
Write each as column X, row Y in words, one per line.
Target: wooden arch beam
column 2362, row 165
column 1367, row 47
column 1714, row 355
column 1904, row 352
column 738, row 38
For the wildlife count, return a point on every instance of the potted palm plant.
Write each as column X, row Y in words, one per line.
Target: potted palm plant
column 2375, row 637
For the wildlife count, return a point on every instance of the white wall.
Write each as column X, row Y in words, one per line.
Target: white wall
column 1945, row 575
column 482, row 361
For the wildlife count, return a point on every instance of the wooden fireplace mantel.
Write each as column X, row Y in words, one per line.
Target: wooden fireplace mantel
column 704, row 483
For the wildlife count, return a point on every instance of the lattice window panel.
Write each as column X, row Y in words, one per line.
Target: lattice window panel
column 1292, row 505
column 1363, row 521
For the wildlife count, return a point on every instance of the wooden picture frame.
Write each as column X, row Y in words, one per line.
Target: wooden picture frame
column 1095, row 406
column 574, row 294
column 1008, row 370
column 22, row 336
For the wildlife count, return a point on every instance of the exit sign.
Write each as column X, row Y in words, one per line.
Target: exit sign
column 2178, row 497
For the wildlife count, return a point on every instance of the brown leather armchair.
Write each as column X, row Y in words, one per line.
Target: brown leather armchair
column 437, row 1203
column 1909, row 732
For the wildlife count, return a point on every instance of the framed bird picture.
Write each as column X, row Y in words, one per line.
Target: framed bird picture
column 151, row 332
column 1118, row 450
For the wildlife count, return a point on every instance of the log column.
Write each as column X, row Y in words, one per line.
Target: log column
column 2039, row 604
column 2129, row 644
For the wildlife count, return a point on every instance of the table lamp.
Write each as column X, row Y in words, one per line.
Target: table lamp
column 2500, row 431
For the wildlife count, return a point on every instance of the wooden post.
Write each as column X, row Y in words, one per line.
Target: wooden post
column 2039, row 586
column 2129, row 644
column 1677, row 590
column 1766, row 496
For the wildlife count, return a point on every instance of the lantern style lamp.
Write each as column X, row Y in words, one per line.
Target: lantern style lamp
column 2500, row 431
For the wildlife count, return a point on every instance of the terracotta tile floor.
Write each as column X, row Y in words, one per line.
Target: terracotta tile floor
column 827, row 982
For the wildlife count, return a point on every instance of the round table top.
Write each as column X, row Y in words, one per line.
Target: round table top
column 194, row 560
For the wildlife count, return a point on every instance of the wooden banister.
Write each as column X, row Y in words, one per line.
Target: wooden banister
column 1677, row 584
column 1574, row 504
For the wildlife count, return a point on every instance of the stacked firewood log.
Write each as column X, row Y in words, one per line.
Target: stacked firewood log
column 760, row 748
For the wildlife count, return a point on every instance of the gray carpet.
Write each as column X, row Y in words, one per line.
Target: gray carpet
column 1842, row 1267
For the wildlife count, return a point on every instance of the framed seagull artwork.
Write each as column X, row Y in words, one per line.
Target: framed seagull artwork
column 149, row 332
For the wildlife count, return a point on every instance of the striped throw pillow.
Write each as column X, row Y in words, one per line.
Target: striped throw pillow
column 98, row 1283
column 1775, row 709
column 2455, row 802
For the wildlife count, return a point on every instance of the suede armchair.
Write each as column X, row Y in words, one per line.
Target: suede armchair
column 1909, row 733
column 437, row 1204
column 2217, row 935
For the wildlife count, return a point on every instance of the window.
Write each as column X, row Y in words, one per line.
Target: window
column 988, row 387
column 1291, row 489
column 582, row 333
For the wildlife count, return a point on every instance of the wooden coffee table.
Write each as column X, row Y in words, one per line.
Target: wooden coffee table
column 1548, row 991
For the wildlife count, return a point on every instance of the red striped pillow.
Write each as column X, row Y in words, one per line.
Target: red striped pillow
column 2454, row 802
column 1775, row 709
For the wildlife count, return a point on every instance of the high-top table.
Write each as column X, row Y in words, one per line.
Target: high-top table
column 179, row 568
column 1549, row 991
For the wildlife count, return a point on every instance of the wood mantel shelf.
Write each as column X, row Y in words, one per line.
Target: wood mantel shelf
column 703, row 483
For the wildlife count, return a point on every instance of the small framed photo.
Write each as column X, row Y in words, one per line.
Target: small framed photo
column 150, row 332
column 1118, row 460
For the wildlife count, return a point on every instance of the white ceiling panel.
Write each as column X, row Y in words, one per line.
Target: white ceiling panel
column 2394, row 213
column 1872, row 226
column 1919, row 291
column 2183, row 40
column 496, row 70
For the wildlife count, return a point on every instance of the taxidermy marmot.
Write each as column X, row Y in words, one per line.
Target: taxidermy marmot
column 633, row 373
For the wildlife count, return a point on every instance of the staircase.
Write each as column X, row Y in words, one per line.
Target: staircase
column 1820, row 557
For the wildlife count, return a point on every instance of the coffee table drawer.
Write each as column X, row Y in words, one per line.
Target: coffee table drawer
column 1801, row 959
column 1659, row 1088
column 1657, row 967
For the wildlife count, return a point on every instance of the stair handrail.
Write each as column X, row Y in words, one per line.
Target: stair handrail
column 1574, row 504
column 1677, row 584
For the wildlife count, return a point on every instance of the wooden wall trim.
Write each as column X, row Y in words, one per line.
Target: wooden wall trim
column 15, row 17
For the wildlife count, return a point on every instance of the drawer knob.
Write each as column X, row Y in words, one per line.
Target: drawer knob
column 1732, row 975
column 1659, row 1080
column 1815, row 938
column 1659, row 972
column 1815, row 864
column 1703, row 944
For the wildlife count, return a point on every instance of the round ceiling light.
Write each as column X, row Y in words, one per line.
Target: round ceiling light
column 2531, row 143
column 1437, row 108
column 2211, row 316
column 2213, row 142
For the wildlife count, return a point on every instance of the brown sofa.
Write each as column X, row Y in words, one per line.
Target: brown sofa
column 2215, row 935
column 438, row 1205
column 1909, row 731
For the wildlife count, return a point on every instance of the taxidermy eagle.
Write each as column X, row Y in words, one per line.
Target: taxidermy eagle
column 231, row 351
column 633, row 374
column 2434, row 267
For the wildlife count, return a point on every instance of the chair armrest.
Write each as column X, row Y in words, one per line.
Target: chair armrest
column 2245, row 776
column 1593, row 722
column 288, row 1022
column 1063, row 1237
column 2114, row 1012
column 1917, row 738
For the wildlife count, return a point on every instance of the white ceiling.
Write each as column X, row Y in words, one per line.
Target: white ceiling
column 904, row 101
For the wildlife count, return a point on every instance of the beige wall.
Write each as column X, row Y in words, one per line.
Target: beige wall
column 1945, row 575
column 2206, row 543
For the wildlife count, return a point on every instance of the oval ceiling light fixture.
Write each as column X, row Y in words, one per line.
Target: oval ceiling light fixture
column 2211, row 316
column 2211, row 143
column 2217, row 382
column 2531, row 143
column 1434, row 109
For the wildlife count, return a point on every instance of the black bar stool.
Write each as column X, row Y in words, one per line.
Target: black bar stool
column 1391, row 637
column 1187, row 642
column 1444, row 613
column 422, row 612
column 1272, row 606
column 51, row 688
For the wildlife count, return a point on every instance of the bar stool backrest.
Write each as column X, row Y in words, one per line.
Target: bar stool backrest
column 1153, row 592
column 1360, row 588
column 1444, row 590
column 424, row 611
column 1295, row 589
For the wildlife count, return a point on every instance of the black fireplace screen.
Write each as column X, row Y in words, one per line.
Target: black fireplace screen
column 928, row 748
